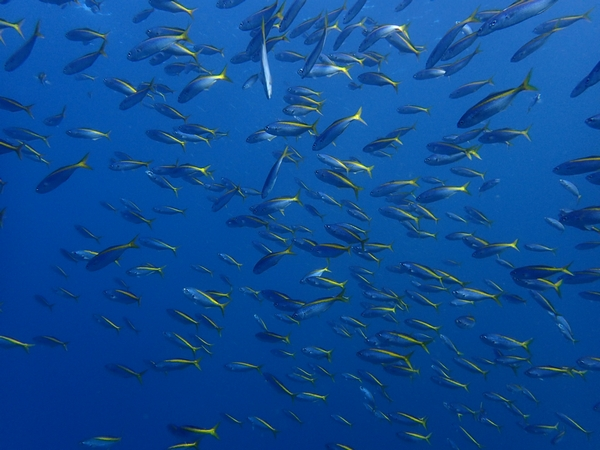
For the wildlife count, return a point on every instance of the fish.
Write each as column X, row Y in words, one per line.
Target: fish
column 514, row 14
column 59, row 176
column 590, row 80
column 333, row 131
column 265, row 71
column 470, row 88
column 125, row 372
column 84, row 62
column 562, row 22
column 312, row 58
column 7, row 341
column 271, row 179
column 270, row 260
column 56, row 120
column 378, row 79
column 15, row 60
column 88, row 133
column 109, row 255
column 101, row 442
column 84, row 35
column 261, row 423
column 9, row 104
column 138, row 96
column 154, row 45
column 505, row 342
column 447, row 39
column 337, row 179
column 493, row 104
column 533, row 45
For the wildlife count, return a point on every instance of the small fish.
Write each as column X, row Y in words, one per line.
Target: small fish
column 101, row 442
column 54, row 121
column 493, row 104
column 470, row 88
column 59, row 176
column 514, row 14
column 20, row 56
column 88, row 133
column 109, row 255
column 531, row 46
column 84, row 62
column 378, row 79
column 8, row 104
column 571, row 188
column 333, row 131
column 201, row 83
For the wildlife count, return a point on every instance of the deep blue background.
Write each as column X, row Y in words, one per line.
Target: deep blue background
column 54, row 399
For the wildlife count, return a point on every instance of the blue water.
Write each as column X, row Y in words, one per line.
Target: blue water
column 55, row 399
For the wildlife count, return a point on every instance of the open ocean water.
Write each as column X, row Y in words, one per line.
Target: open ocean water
column 125, row 376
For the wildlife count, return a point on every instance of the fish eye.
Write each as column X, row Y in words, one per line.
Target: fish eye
column 493, row 23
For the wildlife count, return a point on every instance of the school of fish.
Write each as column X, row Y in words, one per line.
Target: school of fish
column 332, row 310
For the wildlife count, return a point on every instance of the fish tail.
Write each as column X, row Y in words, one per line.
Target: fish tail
column 101, row 50
column 17, row 26
column 526, row 86
column 526, row 133
column 132, row 244
column 464, row 187
column 496, row 298
column 526, row 345
column 184, row 36
column 28, row 110
column 473, row 16
column 197, row 363
column 222, row 306
column 213, row 431
column 83, row 163
column 139, row 375
column 190, row 12
column 223, row 75
column 556, row 287
column 314, row 126
column 297, row 196
column 358, row 113
column 566, row 270
column 346, row 71
column 37, row 33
